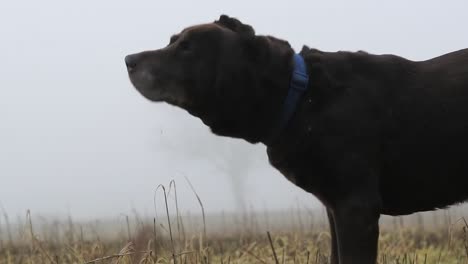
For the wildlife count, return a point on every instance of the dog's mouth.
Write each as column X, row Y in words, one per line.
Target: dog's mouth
column 155, row 90
column 154, row 85
column 153, row 96
column 144, row 81
column 147, row 85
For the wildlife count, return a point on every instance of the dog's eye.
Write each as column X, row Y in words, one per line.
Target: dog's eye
column 184, row 45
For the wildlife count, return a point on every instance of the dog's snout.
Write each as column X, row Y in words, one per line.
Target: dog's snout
column 130, row 61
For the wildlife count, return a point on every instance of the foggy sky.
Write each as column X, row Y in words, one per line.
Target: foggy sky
column 76, row 137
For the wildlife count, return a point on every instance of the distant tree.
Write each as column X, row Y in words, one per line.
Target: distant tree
column 233, row 158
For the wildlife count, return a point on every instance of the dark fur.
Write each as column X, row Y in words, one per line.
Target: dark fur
column 374, row 134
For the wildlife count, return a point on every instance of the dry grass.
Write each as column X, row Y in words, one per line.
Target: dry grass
column 295, row 236
column 401, row 246
column 136, row 241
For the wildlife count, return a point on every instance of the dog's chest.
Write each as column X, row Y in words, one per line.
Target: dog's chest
column 288, row 170
column 298, row 170
column 290, row 175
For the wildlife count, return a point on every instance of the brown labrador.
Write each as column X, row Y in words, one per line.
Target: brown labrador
column 368, row 135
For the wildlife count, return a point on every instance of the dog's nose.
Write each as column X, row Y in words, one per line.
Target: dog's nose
column 130, row 62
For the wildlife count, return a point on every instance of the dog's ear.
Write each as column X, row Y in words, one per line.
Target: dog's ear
column 305, row 49
column 261, row 47
column 252, row 43
column 235, row 25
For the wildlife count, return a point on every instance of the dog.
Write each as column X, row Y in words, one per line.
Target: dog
column 366, row 134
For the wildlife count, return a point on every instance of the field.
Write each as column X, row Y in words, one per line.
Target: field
column 291, row 236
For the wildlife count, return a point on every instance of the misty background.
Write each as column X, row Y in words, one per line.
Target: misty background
column 76, row 137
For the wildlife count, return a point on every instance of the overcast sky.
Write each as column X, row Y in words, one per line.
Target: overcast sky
column 76, row 137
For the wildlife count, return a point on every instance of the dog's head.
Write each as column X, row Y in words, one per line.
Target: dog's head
column 218, row 72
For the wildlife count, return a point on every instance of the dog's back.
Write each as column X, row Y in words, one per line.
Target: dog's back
column 417, row 115
column 426, row 137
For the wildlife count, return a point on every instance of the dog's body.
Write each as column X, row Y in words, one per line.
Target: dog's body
column 404, row 122
column 374, row 134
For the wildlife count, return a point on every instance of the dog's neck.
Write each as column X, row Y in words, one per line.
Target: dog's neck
column 297, row 87
column 271, row 83
column 273, row 72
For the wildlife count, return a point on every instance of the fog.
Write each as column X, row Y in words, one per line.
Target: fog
column 76, row 138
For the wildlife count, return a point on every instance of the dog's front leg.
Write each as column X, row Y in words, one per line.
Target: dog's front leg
column 357, row 229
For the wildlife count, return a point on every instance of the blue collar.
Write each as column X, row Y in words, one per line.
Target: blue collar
column 297, row 87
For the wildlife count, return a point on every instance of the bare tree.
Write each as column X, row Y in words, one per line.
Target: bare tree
column 231, row 157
